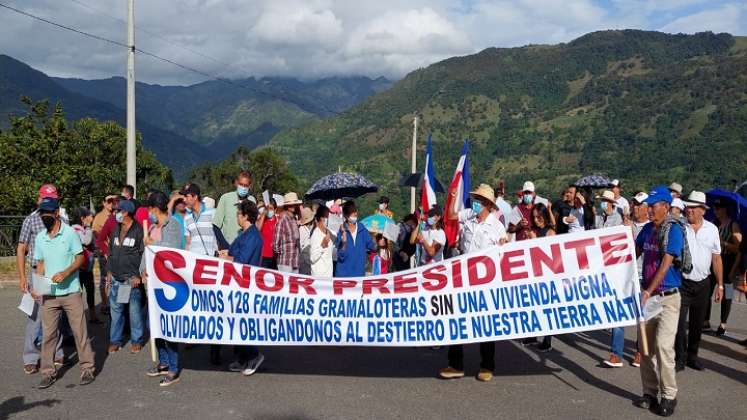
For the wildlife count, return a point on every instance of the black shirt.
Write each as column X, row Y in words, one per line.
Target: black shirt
column 562, row 209
column 124, row 258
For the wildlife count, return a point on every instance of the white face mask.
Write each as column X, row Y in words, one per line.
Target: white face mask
column 382, row 206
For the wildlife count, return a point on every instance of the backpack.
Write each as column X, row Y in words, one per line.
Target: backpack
column 684, row 262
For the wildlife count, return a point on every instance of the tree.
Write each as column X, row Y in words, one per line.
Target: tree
column 85, row 159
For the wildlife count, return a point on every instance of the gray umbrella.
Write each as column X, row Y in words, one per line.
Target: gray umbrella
column 340, row 185
column 593, row 181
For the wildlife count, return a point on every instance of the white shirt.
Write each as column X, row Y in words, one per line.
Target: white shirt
column 431, row 237
column 201, row 232
column 477, row 235
column 504, row 207
column 703, row 246
column 622, row 204
column 321, row 258
column 578, row 224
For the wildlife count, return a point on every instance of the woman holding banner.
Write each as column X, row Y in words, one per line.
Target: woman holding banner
column 479, row 229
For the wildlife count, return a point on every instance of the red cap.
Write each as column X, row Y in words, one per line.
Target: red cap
column 48, row 191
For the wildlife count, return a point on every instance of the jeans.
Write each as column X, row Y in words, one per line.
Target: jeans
column 136, row 316
column 168, row 355
column 618, row 341
column 694, row 301
column 102, row 278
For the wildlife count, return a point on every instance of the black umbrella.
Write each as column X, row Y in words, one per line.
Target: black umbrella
column 340, row 185
column 416, row 180
column 593, row 181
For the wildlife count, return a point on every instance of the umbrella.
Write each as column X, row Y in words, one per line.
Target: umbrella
column 340, row 185
column 593, row 181
column 416, row 180
column 378, row 223
column 739, row 205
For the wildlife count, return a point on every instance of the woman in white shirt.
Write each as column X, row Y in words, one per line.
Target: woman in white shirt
column 432, row 239
column 321, row 245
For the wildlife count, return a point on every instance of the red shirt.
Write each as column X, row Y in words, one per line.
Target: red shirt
column 102, row 239
column 526, row 212
column 268, row 232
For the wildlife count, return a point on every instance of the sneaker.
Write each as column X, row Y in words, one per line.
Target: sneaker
column 236, row 366
column 158, row 370
column 529, row 341
column 87, row 377
column 613, row 361
column 679, row 366
column 253, row 365
column 666, row 407
column 544, row 347
column 450, row 373
column 695, row 364
column 168, row 380
column 46, row 382
column 136, row 348
column 30, row 369
column 721, row 331
column 647, row 402
column 484, row 375
column 113, row 348
column 636, row 360
column 743, row 342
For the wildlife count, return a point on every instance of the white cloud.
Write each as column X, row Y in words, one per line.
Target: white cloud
column 728, row 18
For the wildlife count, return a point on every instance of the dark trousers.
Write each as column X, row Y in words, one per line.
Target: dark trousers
column 268, row 262
column 487, row 356
column 725, row 303
column 86, row 279
column 695, row 298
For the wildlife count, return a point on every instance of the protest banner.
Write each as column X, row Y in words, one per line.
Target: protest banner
column 552, row 285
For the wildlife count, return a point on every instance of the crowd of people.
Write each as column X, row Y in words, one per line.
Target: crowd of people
column 686, row 261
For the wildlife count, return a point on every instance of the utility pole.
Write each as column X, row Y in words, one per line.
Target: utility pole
column 131, row 178
column 413, row 168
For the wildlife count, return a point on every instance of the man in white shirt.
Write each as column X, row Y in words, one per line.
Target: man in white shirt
column 621, row 203
column 705, row 249
column 480, row 229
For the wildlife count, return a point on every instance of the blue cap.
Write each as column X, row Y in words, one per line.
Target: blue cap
column 659, row 193
column 127, row 205
column 49, row 204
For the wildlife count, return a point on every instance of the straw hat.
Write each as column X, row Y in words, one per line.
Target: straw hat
column 696, row 199
column 607, row 196
column 291, row 199
column 484, row 191
column 307, row 215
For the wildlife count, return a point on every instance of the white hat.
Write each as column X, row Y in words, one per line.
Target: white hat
column 291, row 199
column 676, row 202
column 208, row 202
column 528, row 186
column 607, row 195
column 615, row 183
column 696, row 199
column 675, row 187
column 640, row 198
column 307, row 215
column 279, row 201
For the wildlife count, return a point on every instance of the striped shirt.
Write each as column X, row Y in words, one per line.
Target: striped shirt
column 201, row 232
column 31, row 227
column 285, row 242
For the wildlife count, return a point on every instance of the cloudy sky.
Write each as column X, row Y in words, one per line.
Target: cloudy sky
column 318, row 38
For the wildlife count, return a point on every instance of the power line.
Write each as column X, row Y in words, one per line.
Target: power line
column 158, row 57
column 153, row 34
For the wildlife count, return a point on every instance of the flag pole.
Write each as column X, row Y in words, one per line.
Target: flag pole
column 413, row 167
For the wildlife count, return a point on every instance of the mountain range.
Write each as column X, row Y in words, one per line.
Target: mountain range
column 188, row 125
column 641, row 106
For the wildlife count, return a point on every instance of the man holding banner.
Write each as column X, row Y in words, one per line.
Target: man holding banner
column 661, row 243
column 481, row 229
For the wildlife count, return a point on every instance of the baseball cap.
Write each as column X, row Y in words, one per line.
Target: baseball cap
column 49, row 204
column 659, row 193
column 528, row 186
column 615, row 183
column 126, row 205
column 640, row 198
column 48, row 191
column 676, row 202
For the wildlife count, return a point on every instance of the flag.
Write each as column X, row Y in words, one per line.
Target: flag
column 428, row 189
column 457, row 198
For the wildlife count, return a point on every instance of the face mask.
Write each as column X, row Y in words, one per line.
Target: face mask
column 476, row 207
column 119, row 217
column 527, row 198
column 242, row 191
column 382, row 206
column 431, row 221
column 48, row 221
column 153, row 219
column 270, row 214
column 353, row 220
column 604, row 205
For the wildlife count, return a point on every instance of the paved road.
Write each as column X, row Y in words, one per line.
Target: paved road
column 374, row 383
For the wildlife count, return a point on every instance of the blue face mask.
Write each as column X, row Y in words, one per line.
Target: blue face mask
column 476, row 206
column 153, row 219
column 242, row 191
column 527, row 198
column 119, row 217
column 604, row 205
column 270, row 214
column 431, row 221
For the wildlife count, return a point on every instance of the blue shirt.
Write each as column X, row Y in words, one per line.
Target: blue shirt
column 58, row 253
column 648, row 242
column 351, row 256
column 247, row 247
